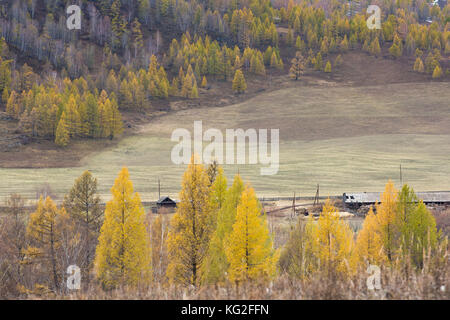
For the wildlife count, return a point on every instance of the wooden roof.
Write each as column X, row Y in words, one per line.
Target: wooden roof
column 165, row 200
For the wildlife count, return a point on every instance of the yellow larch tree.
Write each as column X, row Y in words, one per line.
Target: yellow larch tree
column 417, row 227
column 369, row 245
column 73, row 120
column 123, row 254
column 407, row 202
column 62, row 134
column 186, row 87
column 13, row 106
column 298, row 66
column 217, row 264
column 105, row 115
column 327, row 67
column 387, row 221
column 418, row 65
column 218, row 190
column 190, row 228
column 115, row 122
column 194, row 92
column 239, row 84
column 204, row 83
column 437, row 72
column 218, row 194
column 44, row 232
column 331, row 241
column 249, row 248
column 423, row 234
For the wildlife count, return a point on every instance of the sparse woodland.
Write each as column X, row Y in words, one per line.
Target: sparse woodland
column 130, row 54
column 218, row 244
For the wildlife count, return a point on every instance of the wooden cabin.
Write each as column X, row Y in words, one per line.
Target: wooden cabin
column 166, row 203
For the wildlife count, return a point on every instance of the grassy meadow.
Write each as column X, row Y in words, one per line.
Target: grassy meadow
column 344, row 138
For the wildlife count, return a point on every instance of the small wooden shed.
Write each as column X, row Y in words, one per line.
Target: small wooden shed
column 166, row 202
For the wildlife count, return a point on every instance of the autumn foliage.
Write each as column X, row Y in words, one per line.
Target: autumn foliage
column 123, row 251
column 218, row 236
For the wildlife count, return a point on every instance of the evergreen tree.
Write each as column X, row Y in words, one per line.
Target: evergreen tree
column 190, row 232
column 215, row 264
column 289, row 38
column 13, row 108
column 92, row 116
column 204, row 82
column 62, row 133
column 324, row 46
column 420, row 236
column 375, row 48
column 331, row 241
column 437, row 73
column 338, row 61
column 343, row 46
column 297, row 257
column 115, row 121
column 387, row 221
column 138, row 42
column 105, row 116
column 327, row 67
column 123, row 254
column 418, row 65
column 83, row 204
column 118, row 24
column 73, row 120
column 44, row 231
column 299, row 43
column 194, row 91
column 396, row 50
column 417, row 227
column 318, row 63
column 186, row 88
column 249, row 247
column 297, row 66
column 239, row 85
column 369, row 245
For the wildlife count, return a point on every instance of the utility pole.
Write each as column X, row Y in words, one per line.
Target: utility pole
column 401, row 176
column 316, row 198
column 293, row 207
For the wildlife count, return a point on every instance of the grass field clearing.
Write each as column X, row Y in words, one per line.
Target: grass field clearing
column 344, row 138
